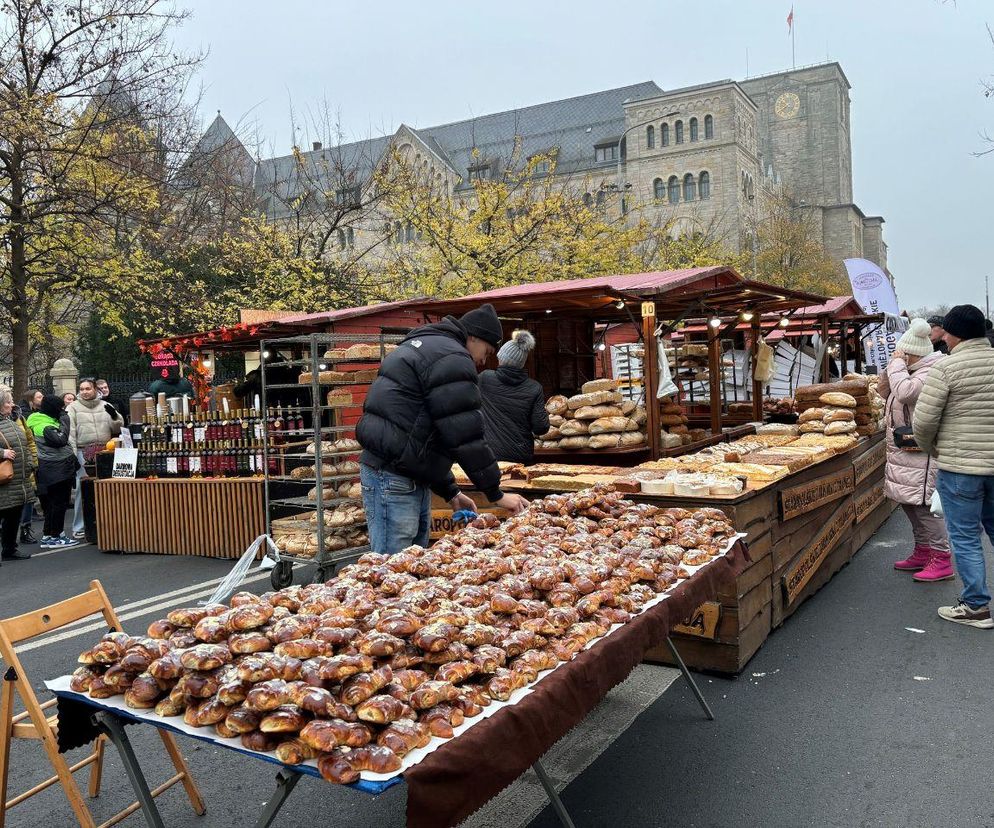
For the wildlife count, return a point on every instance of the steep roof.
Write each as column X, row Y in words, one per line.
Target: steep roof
column 219, row 146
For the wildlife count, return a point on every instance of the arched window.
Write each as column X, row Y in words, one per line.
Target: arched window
column 408, row 232
column 693, row 129
column 341, row 239
column 689, row 187
column 588, row 200
column 664, row 135
column 350, row 237
column 673, row 186
column 704, row 185
column 708, row 127
column 600, row 199
column 650, row 137
column 658, row 189
column 678, row 128
column 398, row 233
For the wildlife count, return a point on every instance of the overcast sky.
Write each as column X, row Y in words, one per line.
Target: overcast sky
column 916, row 69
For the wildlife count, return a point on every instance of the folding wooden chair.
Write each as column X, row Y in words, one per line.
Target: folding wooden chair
column 35, row 723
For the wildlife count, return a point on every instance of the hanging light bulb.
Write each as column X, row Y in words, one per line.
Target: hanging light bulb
column 620, row 304
column 747, row 316
column 548, row 310
column 322, row 367
column 784, row 322
column 266, row 354
column 601, row 347
column 206, row 362
column 715, row 322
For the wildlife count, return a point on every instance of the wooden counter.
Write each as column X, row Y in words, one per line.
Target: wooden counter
column 211, row 518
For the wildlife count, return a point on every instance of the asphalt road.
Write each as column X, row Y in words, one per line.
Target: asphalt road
column 845, row 717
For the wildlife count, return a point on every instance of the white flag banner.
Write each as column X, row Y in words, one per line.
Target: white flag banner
column 875, row 294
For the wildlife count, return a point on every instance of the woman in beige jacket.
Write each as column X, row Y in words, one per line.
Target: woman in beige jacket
column 92, row 422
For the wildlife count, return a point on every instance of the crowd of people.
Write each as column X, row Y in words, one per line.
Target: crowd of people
column 939, row 391
column 48, row 440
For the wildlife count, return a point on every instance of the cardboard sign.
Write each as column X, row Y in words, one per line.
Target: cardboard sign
column 125, row 463
column 703, row 621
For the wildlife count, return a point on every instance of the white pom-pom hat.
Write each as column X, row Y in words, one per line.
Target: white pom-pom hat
column 916, row 340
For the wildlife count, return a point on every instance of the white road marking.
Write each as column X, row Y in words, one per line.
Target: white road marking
column 137, row 613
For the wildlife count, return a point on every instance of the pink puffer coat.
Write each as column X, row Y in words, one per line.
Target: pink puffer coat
column 909, row 475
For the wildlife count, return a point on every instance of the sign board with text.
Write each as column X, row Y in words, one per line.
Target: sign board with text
column 125, row 463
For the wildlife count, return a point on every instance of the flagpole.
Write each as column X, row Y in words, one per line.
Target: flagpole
column 793, row 59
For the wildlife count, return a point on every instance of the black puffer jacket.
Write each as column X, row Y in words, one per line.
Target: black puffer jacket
column 422, row 414
column 513, row 413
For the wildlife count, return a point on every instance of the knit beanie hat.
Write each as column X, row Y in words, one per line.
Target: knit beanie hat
column 965, row 322
column 916, row 340
column 52, row 405
column 482, row 322
column 514, row 352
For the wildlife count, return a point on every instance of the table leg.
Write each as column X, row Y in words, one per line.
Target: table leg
column 553, row 794
column 690, row 679
column 111, row 725
column 286, row 781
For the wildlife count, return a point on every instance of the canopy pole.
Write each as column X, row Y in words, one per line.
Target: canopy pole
column 650, row 377
column 757, row 386
column 825, row 374
column 714, row 378
column 844, row 347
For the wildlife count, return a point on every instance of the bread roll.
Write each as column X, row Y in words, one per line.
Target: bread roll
column 841, row 415
column 574, row 442
column 599, row 385
column 596, row 412
column 811, row 414
column 573, row 428
column 811, row 427
column 840, row 428
column 838, row 398
column 601, row 441
column 611, row 424
column 632, row 438
column 556, row 405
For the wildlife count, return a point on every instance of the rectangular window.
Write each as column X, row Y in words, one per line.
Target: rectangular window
column 349, row 197
column 481, row 172
column 542, row 168
column 608, row 152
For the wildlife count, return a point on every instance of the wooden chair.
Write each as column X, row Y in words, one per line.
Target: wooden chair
column 36, row 723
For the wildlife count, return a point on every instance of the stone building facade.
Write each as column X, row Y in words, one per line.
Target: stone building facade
column 699, row 157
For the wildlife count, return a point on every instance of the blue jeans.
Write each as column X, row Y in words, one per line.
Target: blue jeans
column 968, row 504
column 398, row 510
column 77, row 509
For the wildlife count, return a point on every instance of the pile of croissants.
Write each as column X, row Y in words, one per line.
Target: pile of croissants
column 359, row 671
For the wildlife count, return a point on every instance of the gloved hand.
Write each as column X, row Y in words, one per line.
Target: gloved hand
column 110, row 410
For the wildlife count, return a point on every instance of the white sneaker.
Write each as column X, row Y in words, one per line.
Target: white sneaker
column 80, row 535
column 962, row 614
column 60, row 542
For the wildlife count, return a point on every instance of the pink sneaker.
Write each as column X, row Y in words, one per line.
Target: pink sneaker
column 917, row 560
column 940, row 568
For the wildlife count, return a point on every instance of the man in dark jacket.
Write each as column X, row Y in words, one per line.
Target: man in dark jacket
column 421, row 415
column 513, row 405
column 937, row 334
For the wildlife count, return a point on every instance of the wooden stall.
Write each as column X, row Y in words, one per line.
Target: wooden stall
column 210, row 518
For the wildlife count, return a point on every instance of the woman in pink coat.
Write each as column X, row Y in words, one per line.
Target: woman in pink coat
column 910, row 475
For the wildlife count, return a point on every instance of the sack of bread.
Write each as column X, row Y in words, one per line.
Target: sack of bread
column 594, row 398
column 599, row 385
column 844, row 427
column 811, row 414
column 556, row 405
column 599, row 441
column 839, row 415
column 595, row 412
column 604, row 425
column 574, row 442
column 838, row 398
column 574, row 428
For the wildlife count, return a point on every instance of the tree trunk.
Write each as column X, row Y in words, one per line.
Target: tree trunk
column 19, row 319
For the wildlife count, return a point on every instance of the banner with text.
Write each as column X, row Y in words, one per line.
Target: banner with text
column 875, row 294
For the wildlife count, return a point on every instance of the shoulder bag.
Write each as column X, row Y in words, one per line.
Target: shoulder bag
column 6, row 466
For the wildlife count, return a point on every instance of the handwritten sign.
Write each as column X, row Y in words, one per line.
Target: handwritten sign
column 869, row 461
column 865, row 502
column 797, row 577
column 797, row 500
column 703, row 621
column 125, row 463
column 648, row 309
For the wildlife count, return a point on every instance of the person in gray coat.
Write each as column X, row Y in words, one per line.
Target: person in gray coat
column 18, row 490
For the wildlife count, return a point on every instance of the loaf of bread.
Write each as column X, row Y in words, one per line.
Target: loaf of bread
column 596, row 412
column 574, row 442
column 594, row 398
column 839, row 415
column 672, row 419
column 838, row 398
column 556, row 405
column 631, row 438
column 811, row 427
column 555, row 420
column 612, row 424
column 813, row 392
column 574, row 428
column 844, row 427
column 599, row 441
column 811, row 414
column 599, row 385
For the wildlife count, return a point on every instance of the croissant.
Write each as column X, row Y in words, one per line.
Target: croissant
column 327, row 734
column 433, row 638
column 241, row 598
column 295, row 751
column 144, row 692
column 262, row 667
column 250, row 616
column 475, row 635
column 399, row 624
column 234, row 691
column 99, row 689
column 456, row 651
column 262, row 742
column 343, row 766
column 244, row 643
column 402, row 737
column 118, row 677
column 243, row 719
column 285, row 719
column 81, row 679
column 441, row 720
column 382, row 710
column 501, row 685
column 205, row 713
column 408, row 657
column 295, row 626
column 321, row 703
column 362, row 686
column 268, row 695
column 487, row 659
column 187, row 617
column 410, row 679
column 431, row 693
column 457, row 671
column 225, row 732
column 183, row 638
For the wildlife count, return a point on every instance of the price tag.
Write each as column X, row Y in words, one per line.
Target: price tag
column 125, row 463
column 648, row 309
column 171, row 466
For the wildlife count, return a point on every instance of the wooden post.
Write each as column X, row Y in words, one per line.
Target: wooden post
column 844, row 348
column 714, row 377
column 825, row 377
column 757, row 386
column 650, row 377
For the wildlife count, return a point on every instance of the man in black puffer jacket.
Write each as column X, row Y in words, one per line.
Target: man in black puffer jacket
column 513, row 404
column 421, row 415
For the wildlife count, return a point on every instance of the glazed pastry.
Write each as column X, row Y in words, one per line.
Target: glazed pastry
column 205, row 657
column 382, row 710
column 81, row 678
column 243, row 719
column 326, row 734
column 161, row 629
column 244, row 643
column 250, row 616
column 402, row 737
column 295, row 751
column 362, row 686
column 212, row 630
column 285, row 719
column 262, row 742
column 268, row 695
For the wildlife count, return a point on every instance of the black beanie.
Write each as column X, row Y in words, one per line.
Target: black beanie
column 52, row 405
column 482, row 322
column 965, row 322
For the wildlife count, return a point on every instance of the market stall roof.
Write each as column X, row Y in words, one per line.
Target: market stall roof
column 245, row 335
column 674, row 292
